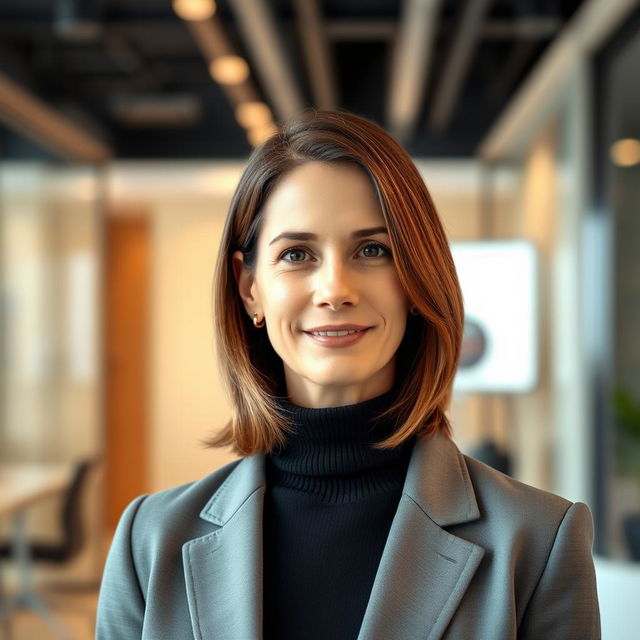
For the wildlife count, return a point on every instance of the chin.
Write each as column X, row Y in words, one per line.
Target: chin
column 337, row 380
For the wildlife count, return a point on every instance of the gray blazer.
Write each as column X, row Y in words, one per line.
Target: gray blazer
column 471, row 554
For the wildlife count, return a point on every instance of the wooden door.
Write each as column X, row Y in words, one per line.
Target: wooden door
column 127, row 257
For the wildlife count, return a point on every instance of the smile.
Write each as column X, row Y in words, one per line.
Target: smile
column 336, row 338
column 336, row 333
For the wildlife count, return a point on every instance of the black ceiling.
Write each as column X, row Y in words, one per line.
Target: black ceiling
column 140, row 47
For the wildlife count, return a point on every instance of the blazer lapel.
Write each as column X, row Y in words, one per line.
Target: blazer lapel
column 223, row 569
column 424, row 570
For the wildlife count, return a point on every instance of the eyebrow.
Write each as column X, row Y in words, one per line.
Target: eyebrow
column 303, row 235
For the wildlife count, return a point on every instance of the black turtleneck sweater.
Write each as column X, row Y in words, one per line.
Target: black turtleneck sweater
column 328, row 508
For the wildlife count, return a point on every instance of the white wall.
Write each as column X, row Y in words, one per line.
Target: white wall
column 618, row 590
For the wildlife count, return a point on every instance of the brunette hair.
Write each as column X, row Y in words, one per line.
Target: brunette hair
column 428, row 354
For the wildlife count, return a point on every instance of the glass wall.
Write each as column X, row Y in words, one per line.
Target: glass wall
column 50, row 262
column 50, row 249
column 618, row 385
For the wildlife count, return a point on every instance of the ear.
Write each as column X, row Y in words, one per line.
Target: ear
column 245, row 281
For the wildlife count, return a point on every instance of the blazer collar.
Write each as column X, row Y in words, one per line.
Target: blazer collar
column 247, row 477
column 438, row 481
column 422, row 576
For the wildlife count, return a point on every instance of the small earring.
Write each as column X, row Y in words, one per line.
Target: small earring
column 256, row 324
column 414, row 311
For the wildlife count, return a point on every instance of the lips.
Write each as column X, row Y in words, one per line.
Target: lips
column 338, row 327
column 341, row 332
column 331, row 340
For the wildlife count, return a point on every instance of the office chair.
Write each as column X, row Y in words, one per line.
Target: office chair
column 73, row 533
column 59, row 552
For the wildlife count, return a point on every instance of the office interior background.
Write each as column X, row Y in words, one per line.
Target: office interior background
column 124, row 127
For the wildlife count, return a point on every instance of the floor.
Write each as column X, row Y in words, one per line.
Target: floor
column 75, row 611
column 73, row 606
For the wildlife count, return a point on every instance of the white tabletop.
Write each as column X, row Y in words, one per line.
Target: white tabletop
column 24, row 483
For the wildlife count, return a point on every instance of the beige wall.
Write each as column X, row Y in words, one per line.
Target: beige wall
column 187, row 203
column 187, row 402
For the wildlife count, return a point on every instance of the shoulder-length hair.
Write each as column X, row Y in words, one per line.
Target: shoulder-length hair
column 427, row 357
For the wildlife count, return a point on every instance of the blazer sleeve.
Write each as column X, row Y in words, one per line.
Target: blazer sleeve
column 564, row 604
column 121, row 602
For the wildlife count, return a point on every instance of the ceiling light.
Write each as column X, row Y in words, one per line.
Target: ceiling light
column 229, row 69
column 253, row 114
column 258, row 135
column 194, row 9
column 625, row 152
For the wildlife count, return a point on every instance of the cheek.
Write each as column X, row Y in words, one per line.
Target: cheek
column 393, row 297
column 283, row 299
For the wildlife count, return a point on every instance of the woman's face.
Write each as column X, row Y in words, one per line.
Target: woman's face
column 324, row 260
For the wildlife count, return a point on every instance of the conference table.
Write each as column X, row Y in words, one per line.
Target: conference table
column 21, row 486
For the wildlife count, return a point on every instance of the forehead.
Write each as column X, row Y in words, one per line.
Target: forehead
column 323, row 194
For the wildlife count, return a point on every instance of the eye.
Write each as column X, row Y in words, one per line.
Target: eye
column 379, row 250
column 292, row 252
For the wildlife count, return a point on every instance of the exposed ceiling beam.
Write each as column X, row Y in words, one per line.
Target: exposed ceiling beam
column 458, row 62
column 317, row 53
column 541, row 90
column 261, row 37
column 22, row 110
column 410, row 68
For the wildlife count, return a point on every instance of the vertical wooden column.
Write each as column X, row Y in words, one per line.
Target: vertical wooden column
column 127, row 275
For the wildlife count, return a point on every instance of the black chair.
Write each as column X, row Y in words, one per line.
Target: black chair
column 71, row 521
column 70, row 544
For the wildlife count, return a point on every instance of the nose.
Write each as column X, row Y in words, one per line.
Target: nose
column 333, row 286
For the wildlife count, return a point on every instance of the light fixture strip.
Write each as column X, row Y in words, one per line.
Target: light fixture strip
column 213, row 43
column 411, row 64
column 317, row 53
column 258, row 26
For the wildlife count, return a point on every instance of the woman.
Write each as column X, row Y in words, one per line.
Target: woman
column 351, row 513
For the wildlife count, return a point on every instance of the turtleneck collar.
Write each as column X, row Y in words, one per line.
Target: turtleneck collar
column 330, row 452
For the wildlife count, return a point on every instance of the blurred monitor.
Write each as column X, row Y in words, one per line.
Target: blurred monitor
column 499, row 347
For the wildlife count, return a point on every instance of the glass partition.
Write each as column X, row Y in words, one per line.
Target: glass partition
column 617, row 387
column 50, row 262
column 50, row 337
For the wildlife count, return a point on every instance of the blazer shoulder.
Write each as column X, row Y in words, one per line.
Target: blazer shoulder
column 499, row 494
column 546, row 542
column 180, row 504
